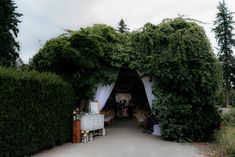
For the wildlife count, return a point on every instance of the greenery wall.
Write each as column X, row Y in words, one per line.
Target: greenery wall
column 187, row 78
column 176, row 54
column 35, row 112
column 83, row 58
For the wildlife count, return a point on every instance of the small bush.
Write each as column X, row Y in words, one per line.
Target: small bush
column 35, row 112
column 225, row 137
column 229, row 119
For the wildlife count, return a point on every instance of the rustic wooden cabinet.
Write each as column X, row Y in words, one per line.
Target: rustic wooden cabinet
column 92, row 122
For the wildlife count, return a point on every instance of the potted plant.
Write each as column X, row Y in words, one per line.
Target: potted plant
column 77, row 114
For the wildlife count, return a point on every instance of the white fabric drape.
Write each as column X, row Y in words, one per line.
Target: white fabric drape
column 102, row 94
column 148, row 89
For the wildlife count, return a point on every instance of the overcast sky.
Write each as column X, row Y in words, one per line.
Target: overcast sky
column 45, row 19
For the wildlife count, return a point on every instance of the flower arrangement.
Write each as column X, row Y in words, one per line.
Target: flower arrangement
column 77, row 114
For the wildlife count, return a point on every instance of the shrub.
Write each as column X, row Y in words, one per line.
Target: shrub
column 83, row 58
column 187, row 78
column 35, row 112
column 225, row 137
column 229, row 119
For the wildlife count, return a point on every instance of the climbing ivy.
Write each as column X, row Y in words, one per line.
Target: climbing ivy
column 82, row 57
column 176, row 53
column 186, row 75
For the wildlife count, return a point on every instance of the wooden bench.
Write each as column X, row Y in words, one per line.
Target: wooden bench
column 109, row 116
column 140, row 117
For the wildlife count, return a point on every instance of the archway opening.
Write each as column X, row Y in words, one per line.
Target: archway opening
column 128, row 100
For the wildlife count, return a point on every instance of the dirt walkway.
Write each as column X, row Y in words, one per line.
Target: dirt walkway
column 124, row 139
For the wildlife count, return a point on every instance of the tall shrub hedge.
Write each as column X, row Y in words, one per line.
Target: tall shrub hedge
column 187, row 78
column 35, row 112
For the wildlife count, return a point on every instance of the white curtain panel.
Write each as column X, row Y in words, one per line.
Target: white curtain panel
column 102, row 94
column 148, row 89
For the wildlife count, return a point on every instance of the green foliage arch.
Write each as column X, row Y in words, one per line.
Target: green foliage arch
column 176, row 53
column 187, row 77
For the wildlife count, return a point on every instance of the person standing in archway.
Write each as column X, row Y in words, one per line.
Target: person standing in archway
column 130, row 109
column 125, row 109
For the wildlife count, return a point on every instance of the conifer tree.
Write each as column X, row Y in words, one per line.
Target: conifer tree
column 8, row 32
column 122, row 27
column 223, row 29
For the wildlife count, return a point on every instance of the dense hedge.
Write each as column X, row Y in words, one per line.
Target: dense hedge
column 83, row 58
column 35, row 112
column 187, row 78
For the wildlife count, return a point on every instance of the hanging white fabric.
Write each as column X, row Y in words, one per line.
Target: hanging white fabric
column 102, row 94
column 148, row 89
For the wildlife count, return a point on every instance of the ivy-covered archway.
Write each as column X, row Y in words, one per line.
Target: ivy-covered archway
column 176, row 53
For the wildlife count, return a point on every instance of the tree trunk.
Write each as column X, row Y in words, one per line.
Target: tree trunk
column 82, row 104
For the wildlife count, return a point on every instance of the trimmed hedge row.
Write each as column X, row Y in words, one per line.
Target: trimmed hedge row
column 35, row 112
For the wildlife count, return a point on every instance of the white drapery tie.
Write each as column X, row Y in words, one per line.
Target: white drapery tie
column 102, row 94
column 148, row 90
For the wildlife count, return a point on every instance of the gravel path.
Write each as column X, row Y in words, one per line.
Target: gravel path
column 124, row 139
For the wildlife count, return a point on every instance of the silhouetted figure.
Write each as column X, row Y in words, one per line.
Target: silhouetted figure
column 130, row 109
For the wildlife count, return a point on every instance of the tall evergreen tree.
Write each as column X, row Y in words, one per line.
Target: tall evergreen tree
column 122, row 27
column 223, row 29
column 8, row 32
